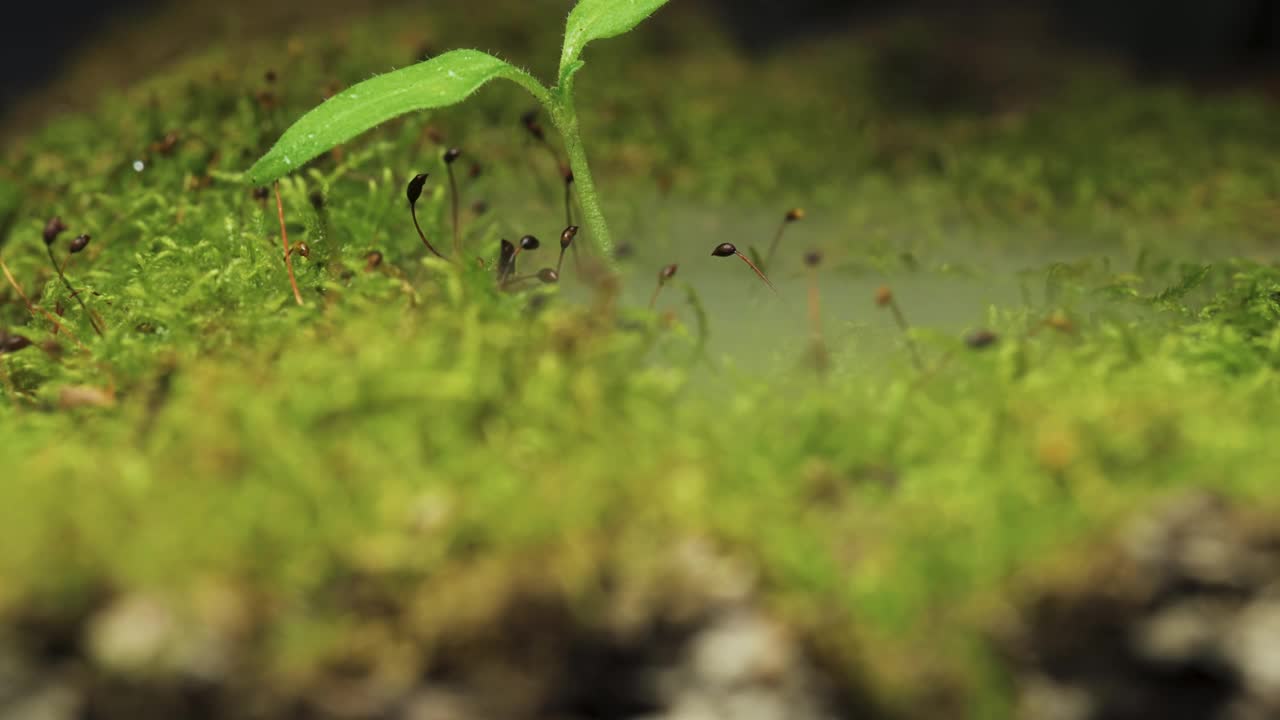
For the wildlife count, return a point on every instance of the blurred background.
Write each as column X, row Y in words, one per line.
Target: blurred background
column 1218, row 41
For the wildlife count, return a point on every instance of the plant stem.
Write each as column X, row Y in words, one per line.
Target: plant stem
column 566, row 121
column 284, row 240
column 453, row 202
column 74, row 293
column 31, row 307
column 906, row 334
column 757, row 271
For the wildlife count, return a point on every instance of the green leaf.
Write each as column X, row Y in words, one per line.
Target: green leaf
column 441, row 81
column 597, row 20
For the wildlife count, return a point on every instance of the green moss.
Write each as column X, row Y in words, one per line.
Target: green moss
column 414, row 427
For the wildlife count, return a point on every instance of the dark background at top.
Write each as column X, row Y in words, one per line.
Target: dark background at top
column 1174, row 37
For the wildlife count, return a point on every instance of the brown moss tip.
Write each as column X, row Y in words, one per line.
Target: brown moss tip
column 414, row 189
column 795, row 214
column 980, row 339
column 566, row 237
column 52, row 229
column 884, row 296
column 14, row 343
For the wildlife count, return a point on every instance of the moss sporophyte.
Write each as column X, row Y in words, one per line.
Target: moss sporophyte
column 449, row 79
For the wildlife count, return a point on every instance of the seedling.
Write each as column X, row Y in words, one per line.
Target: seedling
column 793, row 215
column 450, row 156
column 566, row 239
column 727, row 250
column 884, row 298
column 51, row 231
column 664, row 275
column 817, row 343
column 413, row 192
column 449, row 79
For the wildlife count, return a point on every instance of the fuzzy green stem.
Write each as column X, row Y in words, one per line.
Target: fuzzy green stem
column 565, row 118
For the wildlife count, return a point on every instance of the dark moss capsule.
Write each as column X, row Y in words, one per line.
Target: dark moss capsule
column 566, row 237
column 414, row 191
column 884, row 296
column 14, row 343
column 303, row 249
column 813, row 258
column 724, row 250
column 317, row 200
column 451, row 155
column 475, row 171
column 79, row 243
column 548, row 276
column 53, row 229
column 530, row 122
column 795, row 214
column 980, row 339
column 667, row 272
column 479, row 207
column 261, row 193
column 506, row 251
column 529, row 242
column 372, row 260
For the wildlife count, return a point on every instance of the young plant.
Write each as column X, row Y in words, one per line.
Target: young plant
column 449, row 79
column 728, row 250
